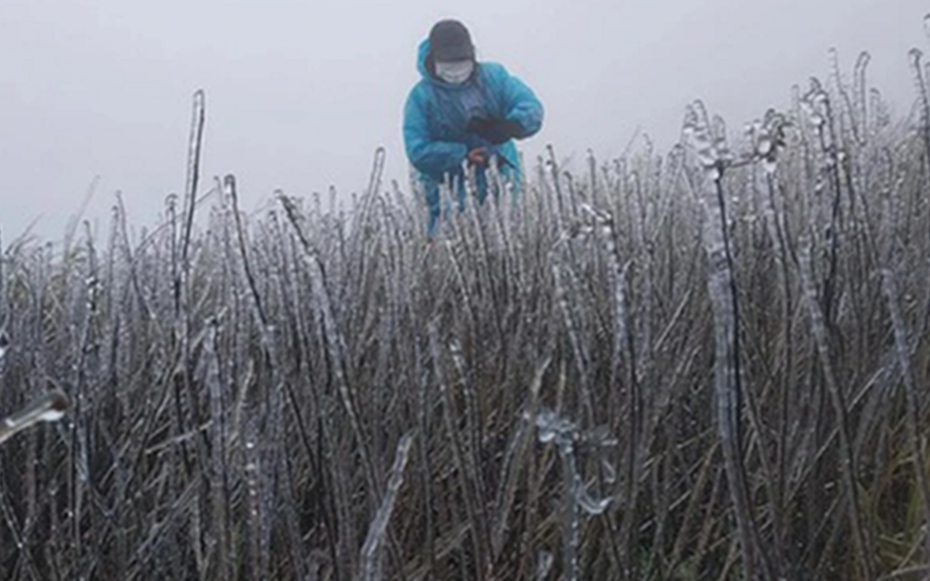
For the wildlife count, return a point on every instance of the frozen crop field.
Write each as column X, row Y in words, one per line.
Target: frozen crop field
column 707, row 363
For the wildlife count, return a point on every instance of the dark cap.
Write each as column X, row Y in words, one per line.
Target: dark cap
column 449, row 41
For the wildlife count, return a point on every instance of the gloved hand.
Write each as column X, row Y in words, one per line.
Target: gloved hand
column 495, row 130
column 478, row 157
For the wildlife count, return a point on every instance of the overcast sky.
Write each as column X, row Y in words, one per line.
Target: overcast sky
column 301, row 93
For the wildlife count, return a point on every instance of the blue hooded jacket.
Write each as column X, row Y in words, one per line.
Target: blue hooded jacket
column 437, row 113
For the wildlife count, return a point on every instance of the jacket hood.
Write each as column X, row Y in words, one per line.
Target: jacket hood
column 422, row 55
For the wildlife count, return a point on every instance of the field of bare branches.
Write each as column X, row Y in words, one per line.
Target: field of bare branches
column 706, row 364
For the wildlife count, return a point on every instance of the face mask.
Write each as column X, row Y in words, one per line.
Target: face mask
column 455, row 72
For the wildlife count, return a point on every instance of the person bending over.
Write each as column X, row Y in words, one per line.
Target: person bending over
column 464, row 113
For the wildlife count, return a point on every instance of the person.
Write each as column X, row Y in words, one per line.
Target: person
column 464, row 113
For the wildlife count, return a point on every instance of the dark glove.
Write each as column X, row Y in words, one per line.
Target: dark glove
column 496, row 131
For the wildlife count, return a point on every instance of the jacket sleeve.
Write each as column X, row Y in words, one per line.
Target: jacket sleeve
column 520, row 102
column 434, row 158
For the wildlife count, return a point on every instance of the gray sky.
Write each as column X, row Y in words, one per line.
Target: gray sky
column 300, row 93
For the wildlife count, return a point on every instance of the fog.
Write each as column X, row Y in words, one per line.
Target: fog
column 300, row 94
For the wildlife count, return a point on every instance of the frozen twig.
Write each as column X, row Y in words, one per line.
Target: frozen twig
column 51, row 407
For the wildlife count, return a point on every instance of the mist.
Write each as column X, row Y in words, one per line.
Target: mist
column 300, row 95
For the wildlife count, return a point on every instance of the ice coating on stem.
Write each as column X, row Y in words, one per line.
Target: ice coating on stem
column 553, row 428
column 50, row 407
column 378, row 529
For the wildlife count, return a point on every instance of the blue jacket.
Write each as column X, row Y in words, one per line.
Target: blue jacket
column 435, row 117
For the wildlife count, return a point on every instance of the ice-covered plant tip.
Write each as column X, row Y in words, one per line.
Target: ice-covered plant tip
column 49, row 407
column 553, row 429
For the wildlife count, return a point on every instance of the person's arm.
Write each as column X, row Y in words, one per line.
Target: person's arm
column 432, row 157
column 520, row 104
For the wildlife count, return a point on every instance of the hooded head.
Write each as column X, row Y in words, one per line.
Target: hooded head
column 451, row 54
column 450, row 41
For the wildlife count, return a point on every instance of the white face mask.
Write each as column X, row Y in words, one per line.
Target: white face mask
column 455, row 72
